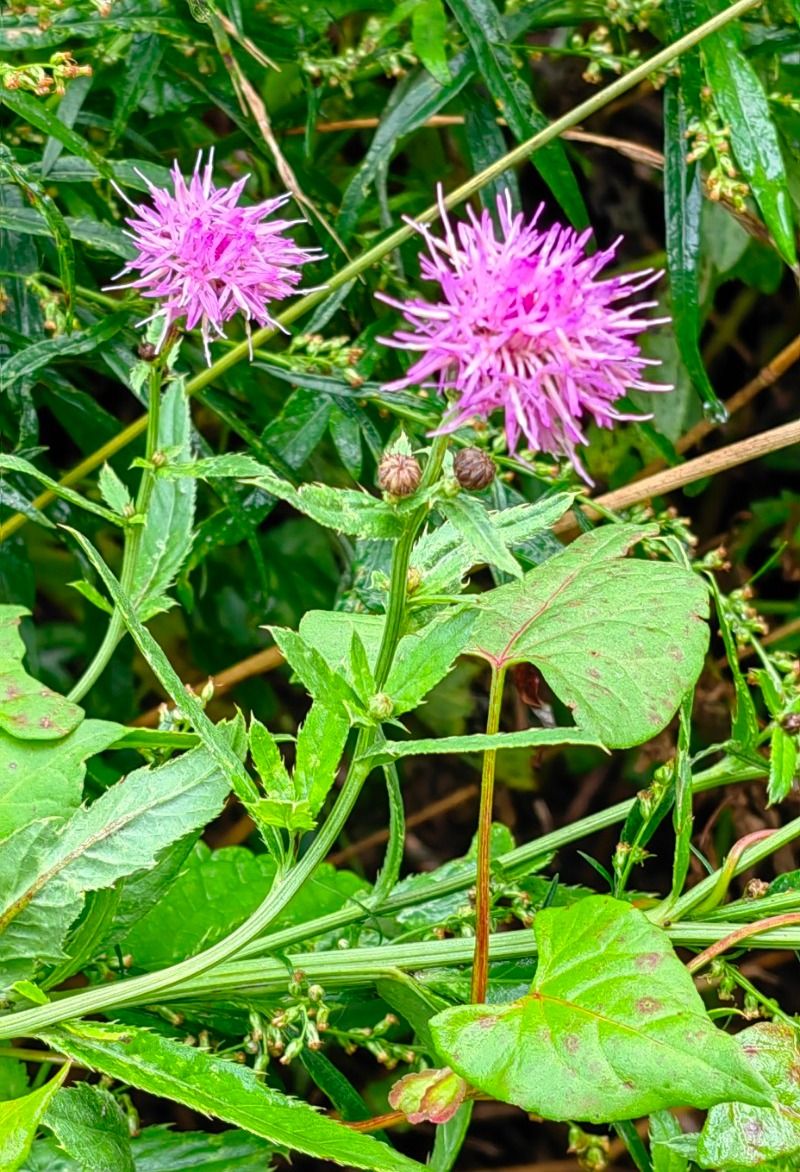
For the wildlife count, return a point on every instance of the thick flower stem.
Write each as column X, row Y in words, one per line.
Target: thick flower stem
column 133, row 541
column 483, row 898
column 144, row 989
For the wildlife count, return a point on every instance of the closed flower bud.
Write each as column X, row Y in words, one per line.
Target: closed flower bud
column 381, row 706
column 473, row 468
column 147, row 351
column 400, row 475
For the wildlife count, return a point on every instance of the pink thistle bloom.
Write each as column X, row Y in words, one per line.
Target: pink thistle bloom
column 205, row 258
column 524, row 326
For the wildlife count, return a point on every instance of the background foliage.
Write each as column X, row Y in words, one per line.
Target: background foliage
column 359, row 109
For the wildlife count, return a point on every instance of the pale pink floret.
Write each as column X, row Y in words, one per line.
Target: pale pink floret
column 524, row 326
column 205, row 259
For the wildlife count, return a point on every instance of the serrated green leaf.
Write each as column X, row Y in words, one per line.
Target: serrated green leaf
column 620, row 642
column 230, row 1092
column 18, row 464
column 614, row 1041
column 46, row 869
column 737, row 1136
column 782, row 764
column 319, row 680
column 268, row 761
column 469, row 518
column 529, row 738
column 68, row 110
column 113, row 491
column 318, row 753
column 90, row 1125
column 44, row 779
column 28, row 710
column 345, row 510
column 19, row 1119
column 443, row 556
column 166, row 537
column 215, row 892
column 425, row 657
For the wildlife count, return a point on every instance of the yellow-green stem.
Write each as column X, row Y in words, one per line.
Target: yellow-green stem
column 483, row 895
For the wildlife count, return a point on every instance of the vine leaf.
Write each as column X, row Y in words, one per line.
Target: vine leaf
column 620, row 642
column 44, row 779
column 738, row 1136
column 228, row 1091
column 599, row 1042
column 28, row 710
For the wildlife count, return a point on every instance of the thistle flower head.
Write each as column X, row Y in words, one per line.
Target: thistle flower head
column 524, row 326
column 205, row 259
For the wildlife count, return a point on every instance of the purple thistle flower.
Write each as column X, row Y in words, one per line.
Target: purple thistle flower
column 523, row 326
column 205, row 258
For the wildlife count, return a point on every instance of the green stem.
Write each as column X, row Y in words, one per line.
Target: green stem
column 754, row 854
column 133, row 540
column 580, row 113
column 356, row 966
column 145, row 988
column 483, row 895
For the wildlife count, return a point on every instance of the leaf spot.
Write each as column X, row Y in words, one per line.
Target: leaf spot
column 571, row 1043
column 648, row 1005
column 649, row 961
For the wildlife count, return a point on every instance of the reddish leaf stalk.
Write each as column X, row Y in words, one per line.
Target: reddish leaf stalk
column 719, row 946
column 480, row 966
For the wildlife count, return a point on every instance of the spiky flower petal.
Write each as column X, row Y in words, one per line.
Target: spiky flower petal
column 524, row 326
column 205, row 259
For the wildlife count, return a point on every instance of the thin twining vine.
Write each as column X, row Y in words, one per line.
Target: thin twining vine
column 349, row 272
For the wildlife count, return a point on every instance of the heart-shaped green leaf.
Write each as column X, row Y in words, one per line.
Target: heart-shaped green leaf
column 612, row 1027
column 620, row 642
column 28, row 710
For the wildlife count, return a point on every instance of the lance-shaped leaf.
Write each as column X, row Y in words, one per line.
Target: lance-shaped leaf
column 45, row 870
column 230, row 1092
column 599, row 1041
column 737, row 1136
column 167, row 534
column 618, row 641
column 28, row 710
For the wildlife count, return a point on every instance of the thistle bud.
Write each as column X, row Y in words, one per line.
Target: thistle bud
column 146, row 351
column 473, row 468
column 400, row 475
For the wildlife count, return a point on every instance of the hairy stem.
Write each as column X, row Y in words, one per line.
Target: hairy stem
column 521, row 152
column 483, row 895
column 133, row 540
